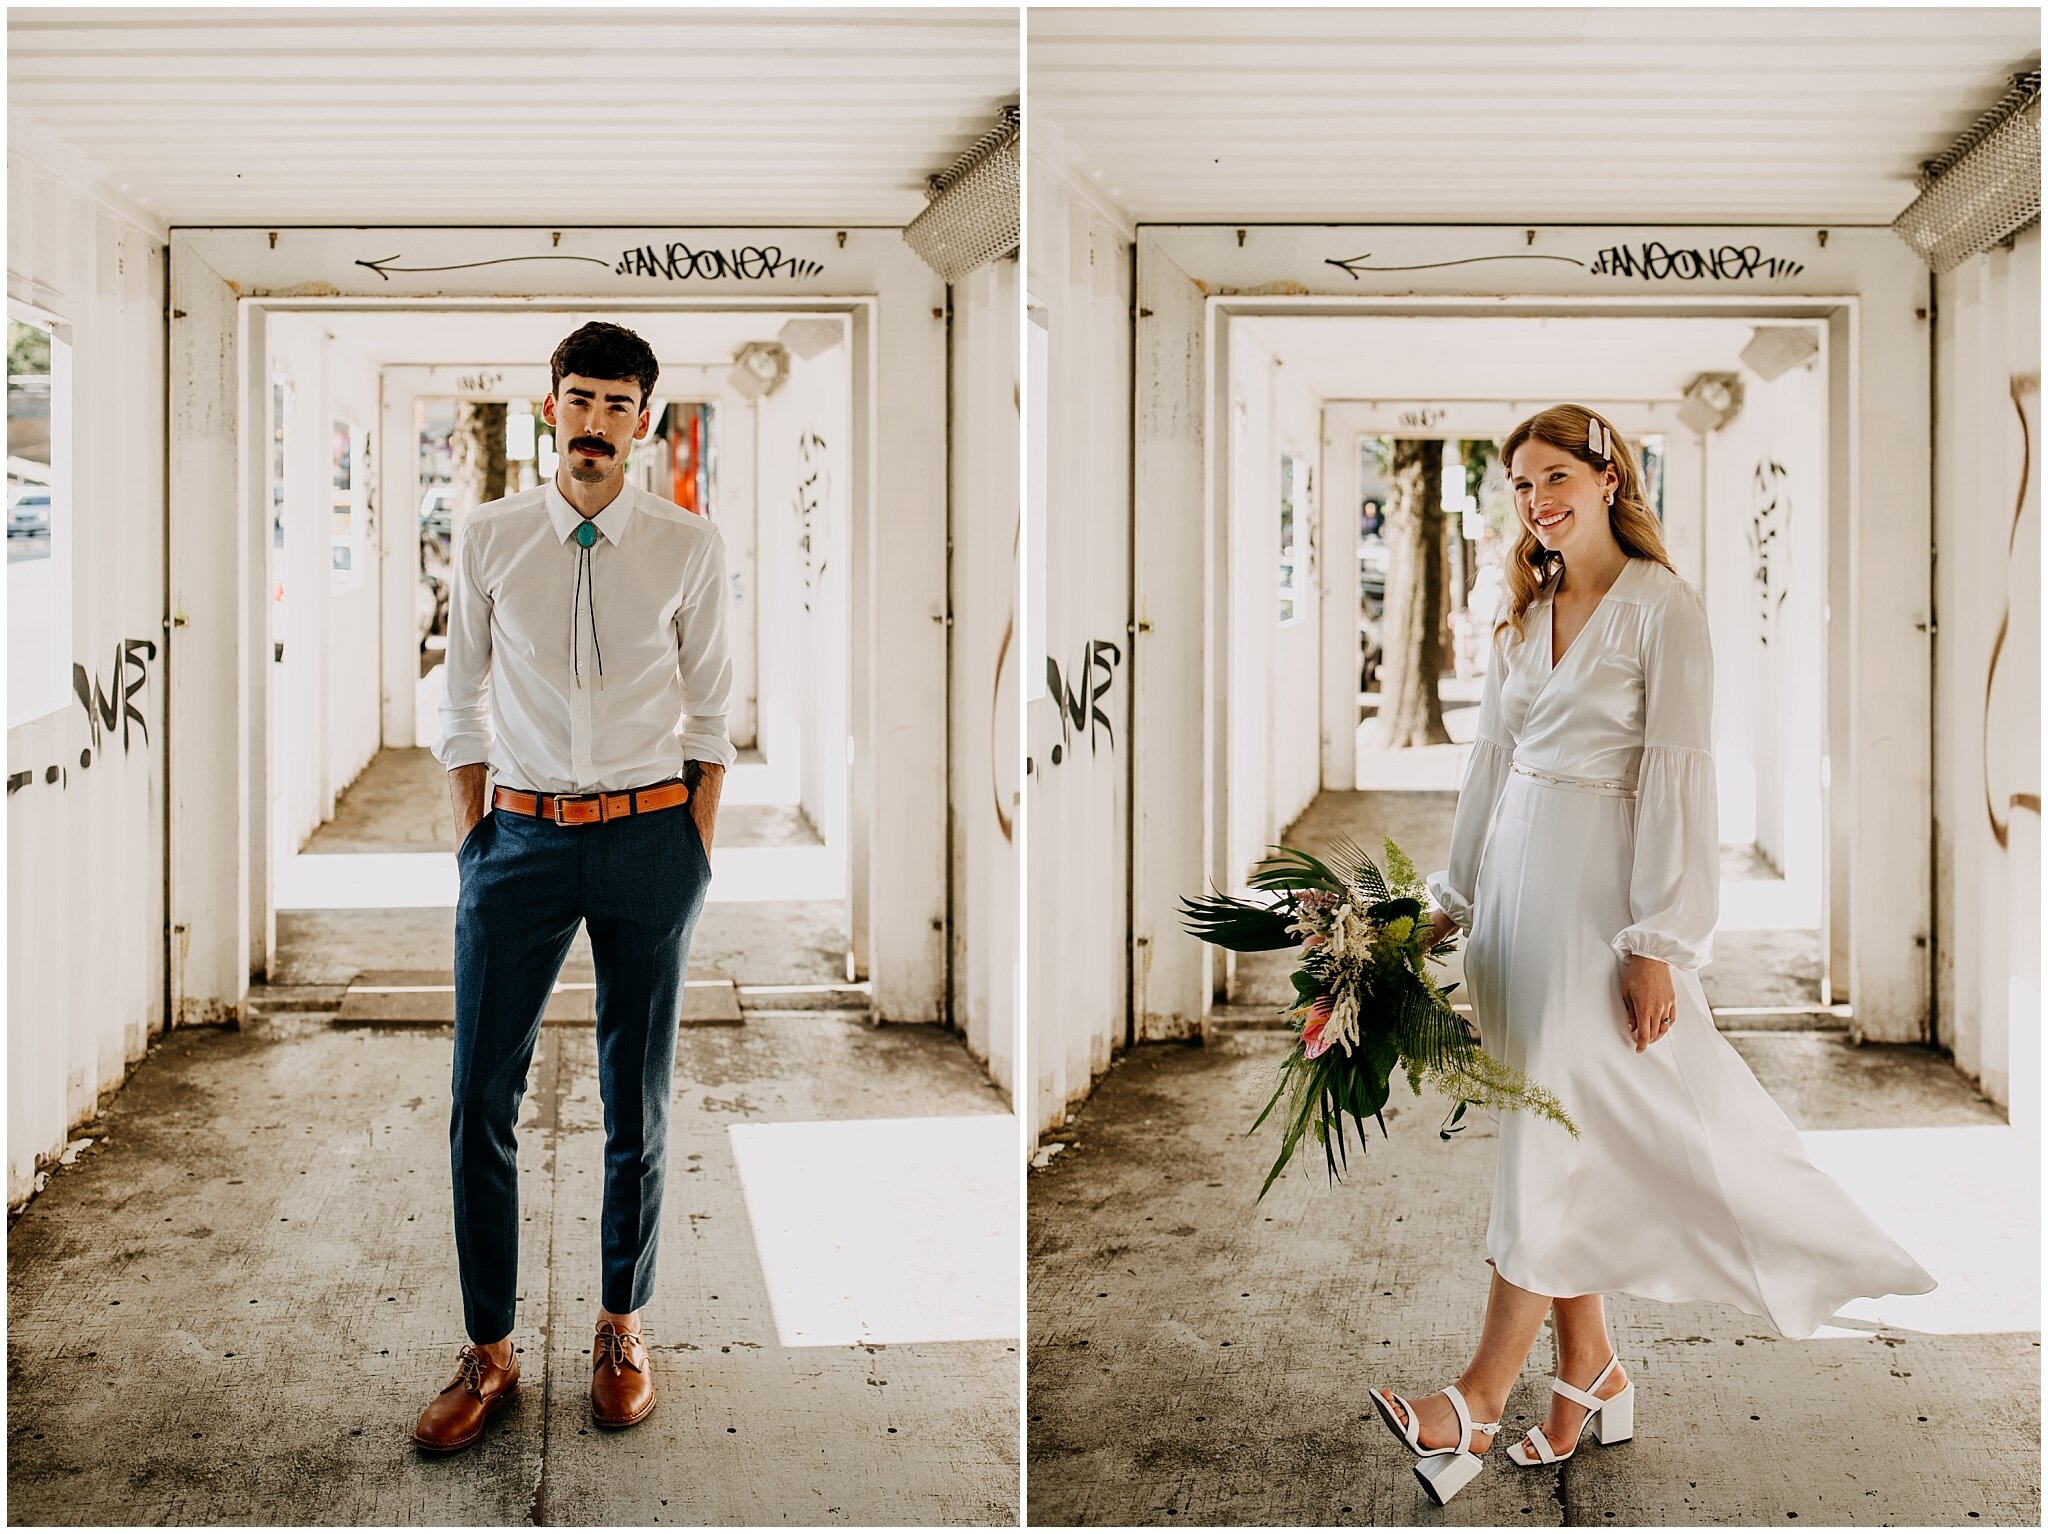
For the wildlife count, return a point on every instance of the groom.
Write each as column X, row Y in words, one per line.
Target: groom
column 588, row 672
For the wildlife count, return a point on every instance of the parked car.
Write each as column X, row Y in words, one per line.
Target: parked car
column 28, row 515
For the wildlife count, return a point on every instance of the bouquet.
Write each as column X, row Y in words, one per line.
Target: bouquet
column 1364, row 1002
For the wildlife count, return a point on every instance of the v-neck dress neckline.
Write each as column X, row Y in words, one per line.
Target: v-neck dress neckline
column 1551, row 664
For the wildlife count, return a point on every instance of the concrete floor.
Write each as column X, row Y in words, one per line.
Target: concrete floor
column 263, row 1359
column 232, row 1307
column 1198, row 1358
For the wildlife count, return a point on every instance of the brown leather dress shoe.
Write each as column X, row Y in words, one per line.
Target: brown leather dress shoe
column 454, row 1419
column 621, row 1386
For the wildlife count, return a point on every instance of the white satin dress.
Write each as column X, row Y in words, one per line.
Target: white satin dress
column 1587, row 830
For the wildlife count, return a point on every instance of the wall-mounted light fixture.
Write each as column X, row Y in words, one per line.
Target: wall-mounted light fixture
column 1985, row 187
column 976, row 213
column 1775, row 350
column 759, row 368
column 1710, row 402
column 810, row 335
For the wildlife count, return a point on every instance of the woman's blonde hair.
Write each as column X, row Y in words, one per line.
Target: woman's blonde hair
column 1533, row 570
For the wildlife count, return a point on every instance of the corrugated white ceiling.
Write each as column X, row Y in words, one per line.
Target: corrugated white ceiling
column 1449, row 115
column 513, row 116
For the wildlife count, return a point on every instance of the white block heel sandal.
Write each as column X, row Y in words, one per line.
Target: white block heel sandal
column 1614, row 1420
column 1443, row 1472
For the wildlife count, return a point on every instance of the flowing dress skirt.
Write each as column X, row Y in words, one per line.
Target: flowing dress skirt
column 1687, row 1182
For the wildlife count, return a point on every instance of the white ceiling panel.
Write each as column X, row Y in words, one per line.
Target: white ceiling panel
column 498, row 115
column 1457, row 115
column 476, row 338
column 1535, row 361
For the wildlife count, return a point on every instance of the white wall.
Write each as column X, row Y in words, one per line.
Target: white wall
column 329, row 712
column 1077, row 616
column 982, row 717
column 354, row 700
column 1766, row 490
column 1272, row 708
column 1987, row 693
column 85, row 856
column 803, row 475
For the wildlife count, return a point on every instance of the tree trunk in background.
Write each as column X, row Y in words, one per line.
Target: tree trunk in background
column 1410, row 714
column 478, row 450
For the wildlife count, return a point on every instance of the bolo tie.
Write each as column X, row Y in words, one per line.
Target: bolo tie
column 585, row 595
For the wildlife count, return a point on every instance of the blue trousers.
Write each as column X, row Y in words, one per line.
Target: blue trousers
column 638, row 884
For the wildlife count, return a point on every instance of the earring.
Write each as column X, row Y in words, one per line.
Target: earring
column 1610, row 498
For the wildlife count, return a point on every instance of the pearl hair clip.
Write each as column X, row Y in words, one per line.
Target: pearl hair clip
column 1599, row 441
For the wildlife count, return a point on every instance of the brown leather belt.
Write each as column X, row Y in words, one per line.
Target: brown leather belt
column 590, row 809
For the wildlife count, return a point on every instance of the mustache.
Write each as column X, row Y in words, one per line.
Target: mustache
column 594, row 443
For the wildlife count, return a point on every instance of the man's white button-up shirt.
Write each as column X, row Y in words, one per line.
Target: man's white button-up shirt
column 526, row 638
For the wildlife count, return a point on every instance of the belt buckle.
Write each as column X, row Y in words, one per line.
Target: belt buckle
column 562, row 802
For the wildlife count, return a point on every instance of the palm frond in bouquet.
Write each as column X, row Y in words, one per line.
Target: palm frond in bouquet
column 1365, row 1004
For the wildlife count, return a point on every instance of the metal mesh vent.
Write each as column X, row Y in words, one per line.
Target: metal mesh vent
column 1985, row 188
column 976, row 211
column 1777, row 349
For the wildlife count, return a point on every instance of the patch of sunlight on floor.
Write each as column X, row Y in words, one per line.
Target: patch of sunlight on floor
column 757, row 782
column 886, row 1230
column 1768, row 905
column 1963, row 1201
column 356, row 881
column 1440, row 768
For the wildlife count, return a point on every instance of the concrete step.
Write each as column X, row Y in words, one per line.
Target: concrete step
column 1731, row 1020
column 407, row 997
column 426, row 996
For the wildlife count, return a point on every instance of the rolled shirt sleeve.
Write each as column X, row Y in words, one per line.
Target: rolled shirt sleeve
column 1479, row 791
column 1674, row 887
column 466, row 700
column 704, row 658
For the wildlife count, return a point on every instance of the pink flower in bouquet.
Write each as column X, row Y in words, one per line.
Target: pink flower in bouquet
column 1313, row 1042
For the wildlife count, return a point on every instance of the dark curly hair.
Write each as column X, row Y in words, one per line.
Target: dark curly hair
column 603, row 350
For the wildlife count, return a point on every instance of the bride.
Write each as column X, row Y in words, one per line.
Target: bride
column 1584, row 868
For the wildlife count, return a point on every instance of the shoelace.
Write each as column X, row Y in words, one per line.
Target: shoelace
column 611, row 1348
column 469, row 1370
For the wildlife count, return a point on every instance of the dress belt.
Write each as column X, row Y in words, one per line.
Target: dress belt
column 1621, row 786
column 588, row 809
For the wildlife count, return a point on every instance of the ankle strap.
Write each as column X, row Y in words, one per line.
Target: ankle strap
column 1586, row 1397
column 1466, row 1426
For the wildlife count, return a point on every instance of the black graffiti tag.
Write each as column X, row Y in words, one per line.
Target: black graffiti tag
column 106, row 708
column 1083, row 710
column 679, row 262
column 1654, row 261
column 813, row 484
column 100, row 710
column 1770, row 516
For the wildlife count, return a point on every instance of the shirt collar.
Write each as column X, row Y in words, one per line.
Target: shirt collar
column 611, row 522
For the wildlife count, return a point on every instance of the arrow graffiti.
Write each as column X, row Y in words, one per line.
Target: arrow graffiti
column 384, row 268
column 1354, row 264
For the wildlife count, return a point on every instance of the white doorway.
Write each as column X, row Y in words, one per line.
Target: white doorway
column 778, row 497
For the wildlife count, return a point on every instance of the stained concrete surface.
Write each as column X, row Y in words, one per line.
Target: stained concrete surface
column 1198, row 1358
column 233, row 1306
column 400, row 803
column 1772, row 974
